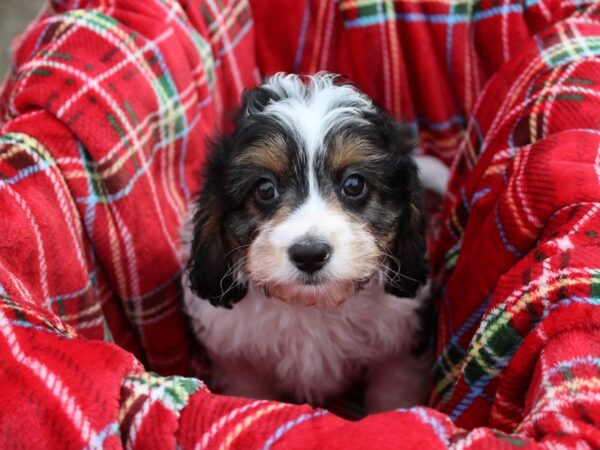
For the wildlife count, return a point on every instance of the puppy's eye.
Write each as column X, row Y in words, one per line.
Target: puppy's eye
column 354, row 186
column 265, row 191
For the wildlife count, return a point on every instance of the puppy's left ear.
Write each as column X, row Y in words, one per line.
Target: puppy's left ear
column 408, row 269
column 408, row 266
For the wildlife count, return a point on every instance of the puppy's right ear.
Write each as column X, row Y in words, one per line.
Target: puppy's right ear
column 211, row 265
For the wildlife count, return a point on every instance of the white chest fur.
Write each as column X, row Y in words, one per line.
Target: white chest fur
column 307, row 352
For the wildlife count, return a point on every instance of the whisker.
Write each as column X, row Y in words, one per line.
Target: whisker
column 236, row 249
column 396, row 279
column 230, row 270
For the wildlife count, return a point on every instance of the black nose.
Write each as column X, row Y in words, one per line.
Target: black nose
column 309, row 256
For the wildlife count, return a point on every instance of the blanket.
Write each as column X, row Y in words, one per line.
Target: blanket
column 103, row 124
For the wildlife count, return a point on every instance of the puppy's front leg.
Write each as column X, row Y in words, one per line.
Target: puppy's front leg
column 398, row 382
column 239, row 379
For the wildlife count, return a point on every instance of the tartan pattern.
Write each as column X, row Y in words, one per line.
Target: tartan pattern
column 104, row 120
column 158, row 400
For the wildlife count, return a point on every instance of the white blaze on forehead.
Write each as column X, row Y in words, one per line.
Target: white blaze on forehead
column 314, row 219
column 310, row 110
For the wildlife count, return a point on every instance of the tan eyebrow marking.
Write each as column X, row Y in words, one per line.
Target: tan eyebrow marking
column 352, row 151
column 268, row 153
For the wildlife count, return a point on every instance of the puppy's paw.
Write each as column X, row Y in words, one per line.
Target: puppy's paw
column 398, row 383
column 249, row 388
column 240, row 379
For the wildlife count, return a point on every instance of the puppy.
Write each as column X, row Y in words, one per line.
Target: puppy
column 306, row 252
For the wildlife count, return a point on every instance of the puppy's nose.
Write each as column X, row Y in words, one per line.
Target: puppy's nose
column 309, row 256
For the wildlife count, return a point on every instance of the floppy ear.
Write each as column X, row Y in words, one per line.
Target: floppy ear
column 211, row 264
column 408, row 265
column 408, row 269
column 210, row 267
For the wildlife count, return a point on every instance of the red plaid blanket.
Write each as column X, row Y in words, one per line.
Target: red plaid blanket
column 104, row 119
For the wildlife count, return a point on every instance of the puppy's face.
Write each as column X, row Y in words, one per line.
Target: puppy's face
column 313, row 195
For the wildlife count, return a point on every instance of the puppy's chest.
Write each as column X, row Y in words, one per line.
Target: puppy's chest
column 307, row 345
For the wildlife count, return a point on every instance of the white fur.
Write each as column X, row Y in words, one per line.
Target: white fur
column 354, row 254
column 313, row 353
column 433, row 173
column 265, row 347
column 312, row 109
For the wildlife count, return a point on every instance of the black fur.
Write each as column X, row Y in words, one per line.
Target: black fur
column 223, row 193
column 227, row 217
column 210, row 258
column 398, row 205
column 408, row 268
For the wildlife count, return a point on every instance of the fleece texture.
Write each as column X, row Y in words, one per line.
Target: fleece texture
column 104, row 120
